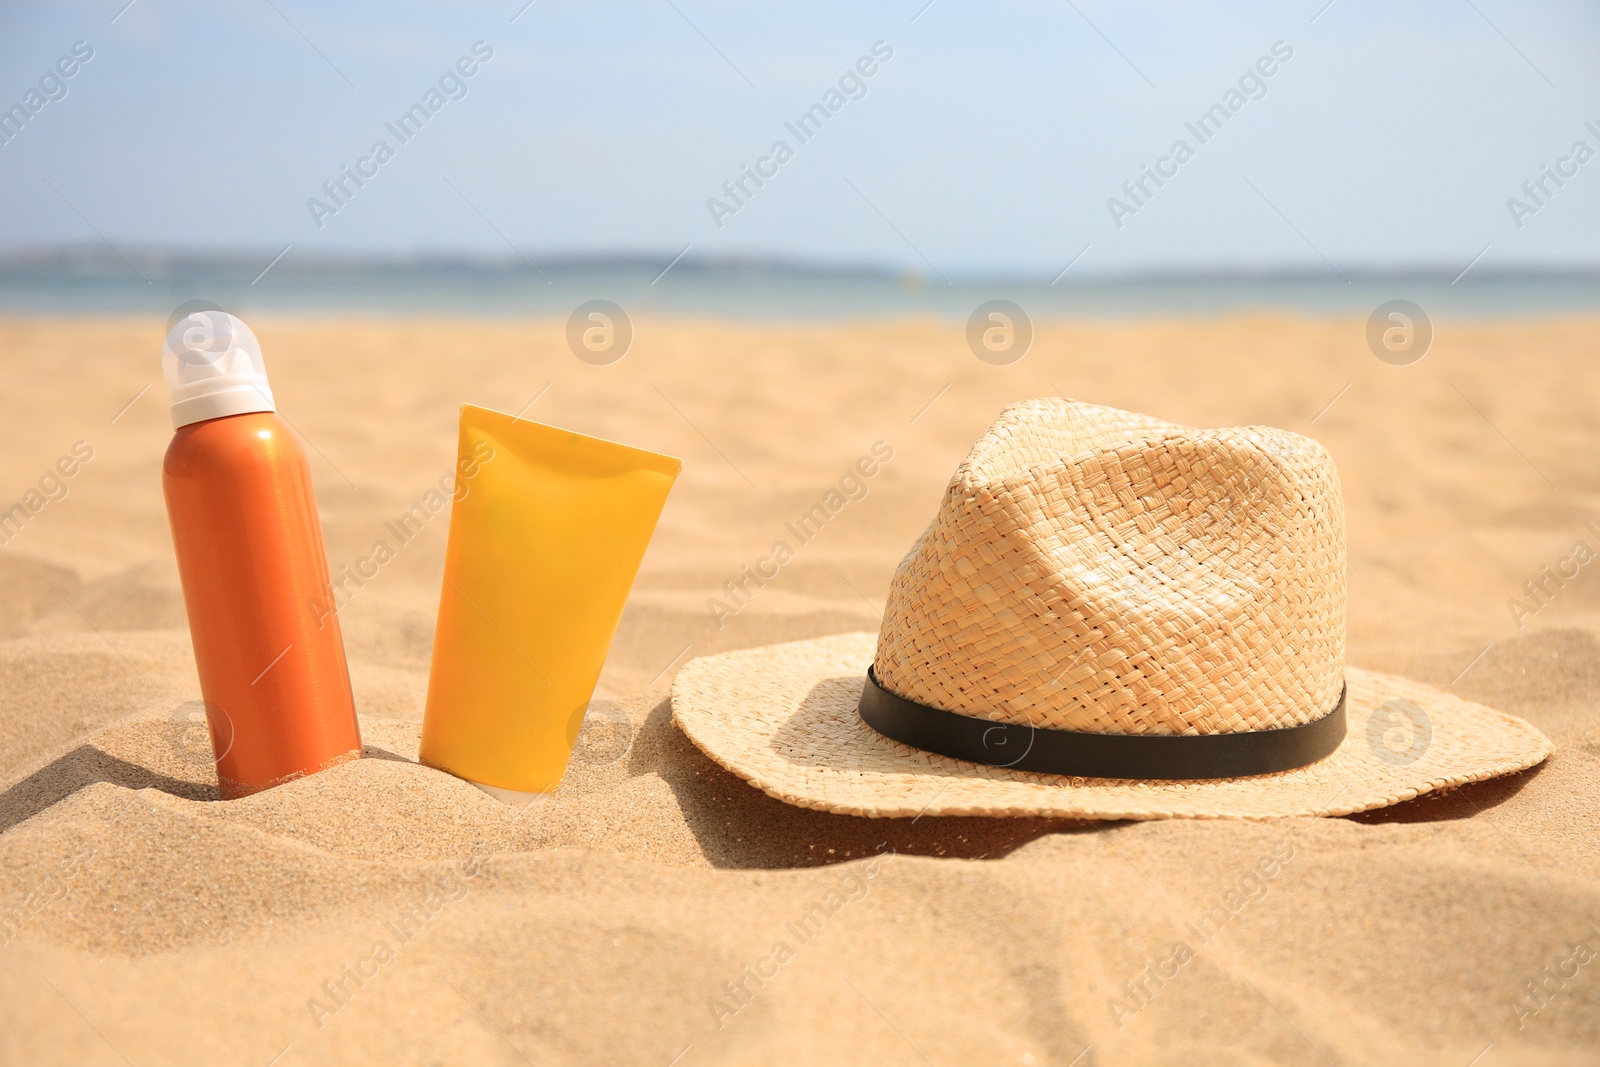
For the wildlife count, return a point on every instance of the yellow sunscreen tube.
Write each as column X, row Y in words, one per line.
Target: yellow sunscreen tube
column 545, row 539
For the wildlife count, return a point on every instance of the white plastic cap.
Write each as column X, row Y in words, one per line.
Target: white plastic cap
column 513, row 797
column 213, row 367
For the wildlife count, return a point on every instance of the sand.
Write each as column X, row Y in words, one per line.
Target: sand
column 654, row 911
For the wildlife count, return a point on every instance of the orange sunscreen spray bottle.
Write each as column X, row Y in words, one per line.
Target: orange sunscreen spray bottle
column 254, row 572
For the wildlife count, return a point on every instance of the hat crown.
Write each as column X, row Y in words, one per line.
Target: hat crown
column 1100, row 571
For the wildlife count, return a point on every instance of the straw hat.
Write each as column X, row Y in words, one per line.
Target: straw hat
column 1111, row 617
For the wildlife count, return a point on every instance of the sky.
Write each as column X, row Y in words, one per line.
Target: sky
column 993, row 137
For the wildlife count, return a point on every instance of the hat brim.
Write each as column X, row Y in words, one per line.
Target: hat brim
column 784, row 719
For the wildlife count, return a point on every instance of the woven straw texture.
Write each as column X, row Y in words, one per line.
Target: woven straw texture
column 1099, row 571
column 1094, row 570
column 784, row 719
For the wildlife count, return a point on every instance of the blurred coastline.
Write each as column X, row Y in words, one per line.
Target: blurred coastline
column 73, row 281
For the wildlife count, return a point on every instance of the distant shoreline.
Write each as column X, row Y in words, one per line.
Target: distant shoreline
column 83, row 281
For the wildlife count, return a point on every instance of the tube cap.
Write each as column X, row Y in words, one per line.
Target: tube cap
column 513, row 797
column 213, row 366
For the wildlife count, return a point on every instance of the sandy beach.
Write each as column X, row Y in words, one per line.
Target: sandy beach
column 384, row 912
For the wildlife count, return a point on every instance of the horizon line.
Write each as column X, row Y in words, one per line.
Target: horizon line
column 162, row 259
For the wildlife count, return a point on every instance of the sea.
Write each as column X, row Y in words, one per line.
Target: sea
column 77, row 283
